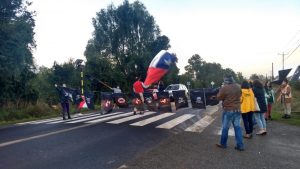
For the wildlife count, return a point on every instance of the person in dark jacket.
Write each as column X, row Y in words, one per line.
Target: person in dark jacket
column 64, row 100
column 259, row 93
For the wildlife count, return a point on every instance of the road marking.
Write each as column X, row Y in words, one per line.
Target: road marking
column 109, row 118
column 75, row 118
column 42, row 135
column 175, row 122
column 152, row 119
column 230, row 131
column 200, row 125
column 130, row 118
column 92, row 118
column 39, row 121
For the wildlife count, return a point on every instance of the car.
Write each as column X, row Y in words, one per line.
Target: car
column 176, row 87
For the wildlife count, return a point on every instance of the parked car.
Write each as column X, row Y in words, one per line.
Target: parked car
column 176, row 87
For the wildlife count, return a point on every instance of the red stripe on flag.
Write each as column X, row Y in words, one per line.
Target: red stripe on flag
column 154, row 75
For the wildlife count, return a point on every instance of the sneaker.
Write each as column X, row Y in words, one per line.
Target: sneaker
column 261, row 132
column 134, row 112
column 220, row 146
column 239, row 149
column 248, row 136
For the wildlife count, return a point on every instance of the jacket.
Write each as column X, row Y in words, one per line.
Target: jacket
column 247, row 101
column 259, row 93
column 230, row 94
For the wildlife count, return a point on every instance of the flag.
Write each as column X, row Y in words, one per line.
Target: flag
column 159, row 66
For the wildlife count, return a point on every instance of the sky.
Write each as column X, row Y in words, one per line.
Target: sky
column 244, row 35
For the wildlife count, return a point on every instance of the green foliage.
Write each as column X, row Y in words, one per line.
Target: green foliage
column 30, row 111
column 125, row 40
column 201, row 73
column 16, row 61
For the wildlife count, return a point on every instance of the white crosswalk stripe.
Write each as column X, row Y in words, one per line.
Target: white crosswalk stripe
column 110, row 118
column 152, row 119
column 175, row 122
column 92, row 118
column 200, row 125
column 75, row 118
column 172, row 121
column 118, row 121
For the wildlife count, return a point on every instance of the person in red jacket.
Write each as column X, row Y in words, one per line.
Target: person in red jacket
column 138, row 88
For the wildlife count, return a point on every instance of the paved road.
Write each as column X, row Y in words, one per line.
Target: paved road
column 280, row 149
column 94, row 140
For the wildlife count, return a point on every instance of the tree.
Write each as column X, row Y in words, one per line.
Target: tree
column 17, row 42
column 202, row 73
column 125, row 40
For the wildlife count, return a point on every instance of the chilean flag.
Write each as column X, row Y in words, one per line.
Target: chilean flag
column 83, row 104
column 159, row 66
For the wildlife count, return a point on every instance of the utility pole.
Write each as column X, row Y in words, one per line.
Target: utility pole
column 282, row 58
column 272, row 71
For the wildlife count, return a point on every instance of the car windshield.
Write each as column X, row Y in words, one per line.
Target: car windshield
column 173, row 87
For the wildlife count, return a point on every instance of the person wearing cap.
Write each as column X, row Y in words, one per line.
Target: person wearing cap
column 230, row 95
column 64, row 100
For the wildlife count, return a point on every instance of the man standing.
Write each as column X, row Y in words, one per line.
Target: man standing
column 230, row 94
column 64, row 100
column 138, row 88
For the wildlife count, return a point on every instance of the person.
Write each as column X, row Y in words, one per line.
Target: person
column 259, row 93
column 247, row 107
column 64, row 100
column 161, row 86
column 285, row 96
column 138, row 88
column 270, row 99
column 230, row 95
column 117, row 90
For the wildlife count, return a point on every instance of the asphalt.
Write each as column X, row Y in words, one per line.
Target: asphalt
column 279, row 149
column 108, row 146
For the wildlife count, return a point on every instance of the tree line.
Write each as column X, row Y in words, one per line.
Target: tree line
column 124, row 41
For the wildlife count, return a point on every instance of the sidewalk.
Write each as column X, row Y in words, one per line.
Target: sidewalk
column 280, row 149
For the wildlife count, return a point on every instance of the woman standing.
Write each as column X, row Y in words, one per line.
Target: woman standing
column 259, row 93
column 247, row 107
column 270, row 99
column 285, row 96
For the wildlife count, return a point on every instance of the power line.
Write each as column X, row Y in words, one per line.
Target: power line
column 282, row 58
column 292, row 52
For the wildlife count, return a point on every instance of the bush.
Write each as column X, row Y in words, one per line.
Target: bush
column 296, row 84
column 11, row 113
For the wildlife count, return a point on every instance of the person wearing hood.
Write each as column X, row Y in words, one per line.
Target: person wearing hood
column 259, row 93
column 230, row 95
column 247, row 108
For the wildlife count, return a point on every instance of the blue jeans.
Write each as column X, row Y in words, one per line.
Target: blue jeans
column 260, row 119
column 234, row 118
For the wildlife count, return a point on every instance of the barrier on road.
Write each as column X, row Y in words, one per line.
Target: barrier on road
column 164, row 104
column 180, row 99
column 198, row 98
column 120, row 100
column 150, row 101
column 106, row 102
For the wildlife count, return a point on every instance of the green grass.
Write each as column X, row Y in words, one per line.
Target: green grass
column 40, row 111
column 277, row 110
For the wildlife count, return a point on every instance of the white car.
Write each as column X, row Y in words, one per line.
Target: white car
column 176, row 87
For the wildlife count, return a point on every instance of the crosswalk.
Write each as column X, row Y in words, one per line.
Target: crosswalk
column 197, row 120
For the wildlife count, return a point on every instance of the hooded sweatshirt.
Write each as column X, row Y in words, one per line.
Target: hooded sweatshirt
column 247, row 101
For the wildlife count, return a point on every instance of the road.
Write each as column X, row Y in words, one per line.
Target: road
column 93, row 140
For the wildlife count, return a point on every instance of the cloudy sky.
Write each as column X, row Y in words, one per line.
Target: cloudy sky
column 245, row 35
